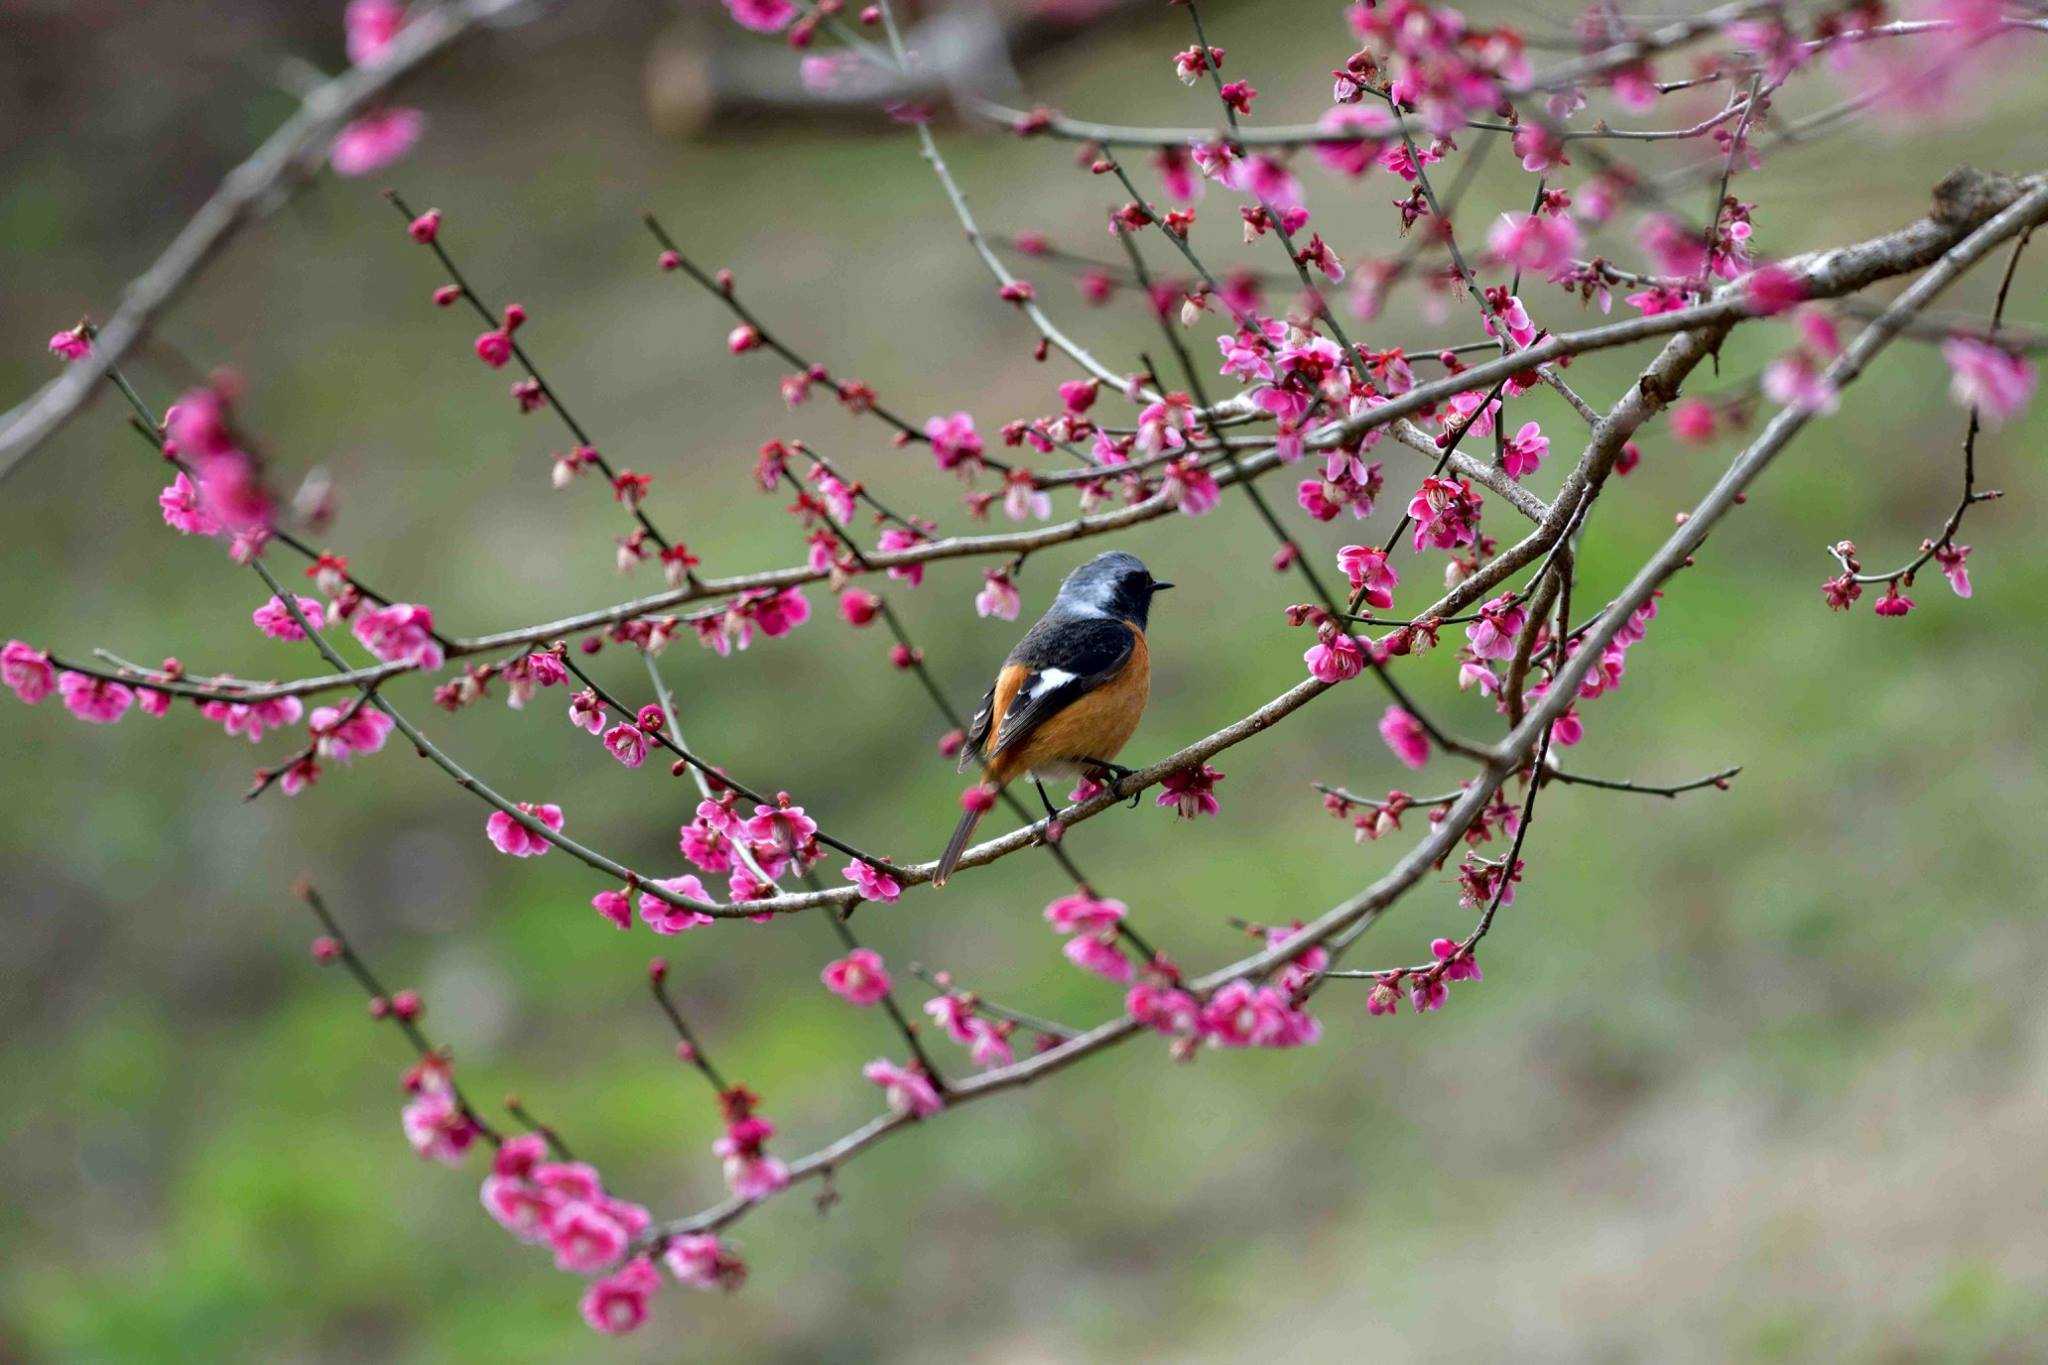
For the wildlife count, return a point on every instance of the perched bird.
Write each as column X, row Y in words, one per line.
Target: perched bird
column 1071, row 692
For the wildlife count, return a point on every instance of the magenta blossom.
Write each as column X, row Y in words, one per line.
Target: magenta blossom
column 184, row 510
column 375, row 141
column 1522, row 454
column 1369, row 571
column 954, row 442
column 27, row 670
column 627, row 743
column 701, row 1261
column 1335, row 657
column 94, row 700
column 1100, row 955
column 1083, row 912
column 1405, row 736
column 339, row 736
column 664, row 918
column 510, row 836
column 1539, row 242
column 371, row 25
column 437, row 1127
column 1191, row 791
column 617, row 1304
column 400, row 633
column 763, row 16
column 859, row 978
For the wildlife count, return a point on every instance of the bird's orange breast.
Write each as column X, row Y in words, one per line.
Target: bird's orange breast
column 1097, row 725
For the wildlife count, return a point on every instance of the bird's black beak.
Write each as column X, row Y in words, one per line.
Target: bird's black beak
column 1157, row 586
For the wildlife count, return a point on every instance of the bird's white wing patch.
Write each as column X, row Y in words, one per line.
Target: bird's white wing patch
column 1045, row 680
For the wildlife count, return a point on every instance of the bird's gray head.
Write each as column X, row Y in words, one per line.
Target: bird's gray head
column 1113, row 584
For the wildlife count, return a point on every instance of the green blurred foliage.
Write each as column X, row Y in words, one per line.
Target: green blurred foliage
column 1757, row 1074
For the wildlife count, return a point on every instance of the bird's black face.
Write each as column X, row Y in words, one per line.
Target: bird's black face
column 1115, row 584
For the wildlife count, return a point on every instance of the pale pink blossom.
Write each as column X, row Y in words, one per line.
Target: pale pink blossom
column 1535, row 242
column 1187, row 485
column 701, row 1261
column 510, row 836
column 907, row 1090
column 1950, row 558
column 437, row 1128
column 1991, row 379
column 584, row 1238
column 998, row 596
column 1493, row 634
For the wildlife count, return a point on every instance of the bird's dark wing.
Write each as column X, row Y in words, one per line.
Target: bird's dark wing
column 977, row 730
column 1063, row 660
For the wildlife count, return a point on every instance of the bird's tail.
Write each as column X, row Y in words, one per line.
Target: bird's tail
column 956, row 845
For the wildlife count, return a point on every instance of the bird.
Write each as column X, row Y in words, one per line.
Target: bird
column 1070, row 694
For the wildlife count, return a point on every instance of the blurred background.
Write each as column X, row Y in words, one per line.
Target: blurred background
column 1755, row 1074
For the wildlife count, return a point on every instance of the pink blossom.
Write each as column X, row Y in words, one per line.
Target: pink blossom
column 954, row 1014
column 998, row 596
column 1493, row 634
column 752, row 1175
column 275, row 620
column 1242, row 1015
column 859, row 978
column 584, row 1238
column 627, row 743
column 1100, row 955
column 617, row 1304
column 1524, row 451
column 586, row 712
column 1692, row 420
column 706, row 844
column 371, row 25
column 664, row 918
column 1795, row 380
column 71, row 344
column 1191, row 791
column 183, row 509
column 1083, row 912
column 1772, row 289
column 437, row 1128
column 1535, row 242
column 873, row 884
column 1335, row 658
column 701, row 1261
column 1368, row 569
column 615, row 906
column 1163, row 1009
column 1462, row 966
column 781, row 826
column 1445, row 512
column 1365, row 131
column 1161, row 424
column 1894, row 602
column 1190, row 487
column 954, row 442
column 400, row 633
column 375, row 140
column 250, row 719
column 27, row 670
column 762, row 16
column 95, row 700
column 340, row 736
column 908, row 1091
column 510, row 836
column 1405, row 736
column 1989, row 378
column 1950, row 557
